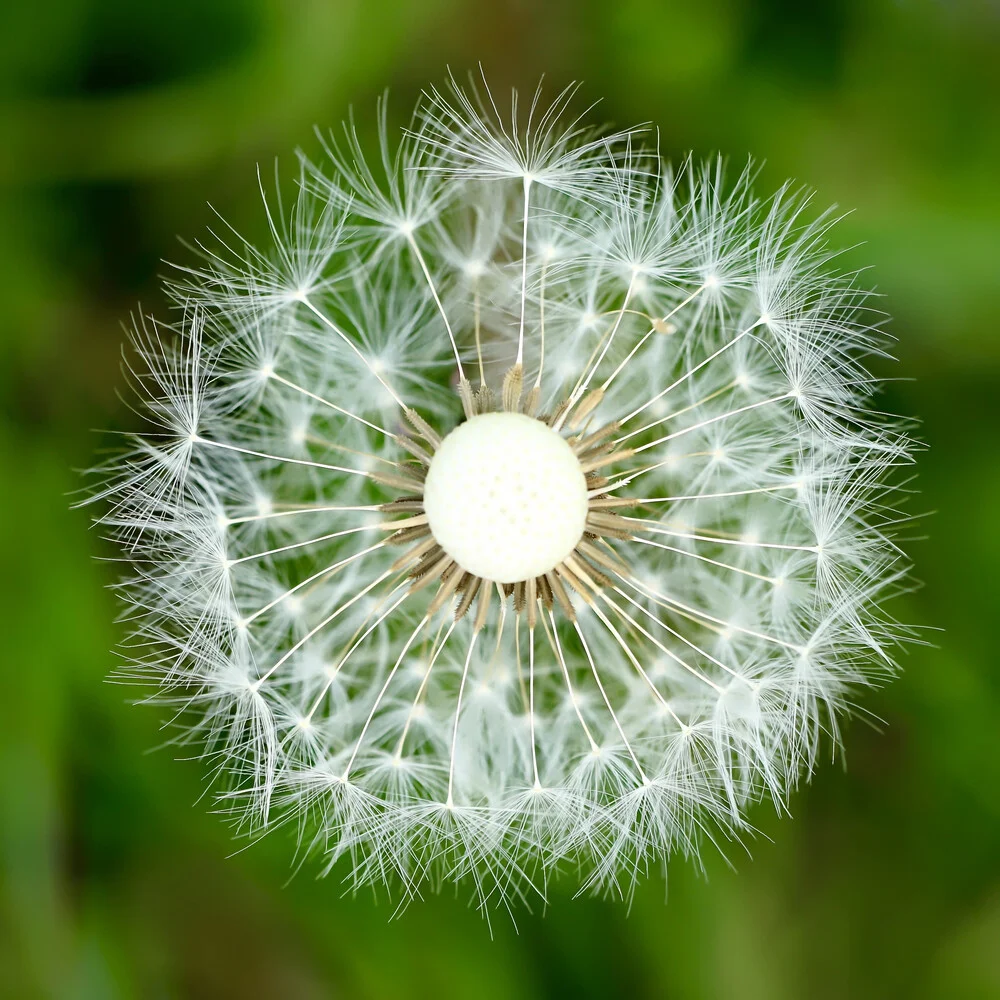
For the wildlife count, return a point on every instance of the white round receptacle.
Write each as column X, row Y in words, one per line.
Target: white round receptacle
column 505, row 497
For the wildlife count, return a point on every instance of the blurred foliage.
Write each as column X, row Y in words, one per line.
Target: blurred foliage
column 117, row 121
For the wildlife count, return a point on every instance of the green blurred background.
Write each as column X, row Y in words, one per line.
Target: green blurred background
column 118, row 120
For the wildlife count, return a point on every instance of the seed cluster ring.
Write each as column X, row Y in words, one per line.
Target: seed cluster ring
column 583, row 571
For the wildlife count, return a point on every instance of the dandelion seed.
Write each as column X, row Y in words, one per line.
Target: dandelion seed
column 519, row 509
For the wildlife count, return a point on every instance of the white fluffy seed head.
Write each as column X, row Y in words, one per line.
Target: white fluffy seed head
column 505, row 497
column 726, row 623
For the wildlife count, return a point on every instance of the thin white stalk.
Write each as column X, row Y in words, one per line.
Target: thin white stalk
column 450, row 802
column 333, row 406
column 611, row 336
column 524, row 270
column 712, row 420
column 659, row 645
column 713, row 496
column 633, row 659
column 683, row 378
column 678, row 413
column 437, row 299
column 299, row 545
column 322, row 625
column 656, row 528
column 322, row 442
column 625, row 480
column 332, row 674
column 650, row 333
column 607, row 702
column 531, row 705
column 701, row 558
column 677, row 635
column 553, row 637
column 477, row 323
column 541, row 325
column 592, row 365
column 317, row 509
column 350, row 343
column 326, row 571
column 385, row 687
column 697, row 615
column 435, row 653
column 198, row 439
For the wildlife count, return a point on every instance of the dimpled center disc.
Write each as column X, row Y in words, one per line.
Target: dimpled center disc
column 505, row 497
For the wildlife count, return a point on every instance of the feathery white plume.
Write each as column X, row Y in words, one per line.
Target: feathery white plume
column 519, row 508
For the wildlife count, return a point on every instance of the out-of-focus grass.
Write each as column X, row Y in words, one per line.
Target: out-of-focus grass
column 119, row 121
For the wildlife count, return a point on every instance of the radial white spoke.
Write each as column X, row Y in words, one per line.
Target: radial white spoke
column 590, row 369
column 634, row 660
column 677, row 635
column 659, row 645
column 703, row 616
column 322, row 442
column 326, row 571
column 435, row 653
column 322, row 625
column 541, row 326
column 517, row 656
column 333, row 406
column 713, row 496
column 450, row 802
column 650, row 333
column 524, row 270
column 658, row 528
column 708, row 421
column 354, row 347
column 611, row 336
column 683, row 378
column 701, row 558
column 356, row 644
column 607, row 702
column 553, row 637
column 679, row 413
column 316, row 509
column 477, row 329
column 385, row 687
column 500, row 631
column 430, row 282
column 626, row 479
column 198, row 439
column 531, row 704
column 308, row 541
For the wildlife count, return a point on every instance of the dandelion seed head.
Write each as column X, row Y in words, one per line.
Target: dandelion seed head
column 519, row 507
column 505, row 497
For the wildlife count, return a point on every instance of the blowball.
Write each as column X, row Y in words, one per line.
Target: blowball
column 519, row 507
